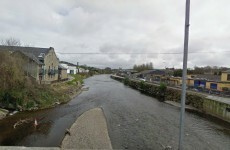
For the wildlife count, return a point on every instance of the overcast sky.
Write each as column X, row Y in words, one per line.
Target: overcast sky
column 117, row 26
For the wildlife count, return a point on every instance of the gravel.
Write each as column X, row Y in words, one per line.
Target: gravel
column 88, row 132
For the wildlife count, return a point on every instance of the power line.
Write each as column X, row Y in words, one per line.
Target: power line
column 139, row 53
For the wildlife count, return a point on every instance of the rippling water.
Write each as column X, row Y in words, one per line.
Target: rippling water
column 135, row 121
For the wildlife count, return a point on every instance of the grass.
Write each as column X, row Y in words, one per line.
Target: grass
column 34, row 96
column 77, row 78
column 61, row 92
column 3, row 110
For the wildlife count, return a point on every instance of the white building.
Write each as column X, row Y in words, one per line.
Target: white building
column 82, row 70
column 70, row 69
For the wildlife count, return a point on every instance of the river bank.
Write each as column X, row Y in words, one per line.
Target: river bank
column 187, row 107
column 200, row 103
column 3, row 113
column 72, row 93
column 51, row 96
column 134, row 121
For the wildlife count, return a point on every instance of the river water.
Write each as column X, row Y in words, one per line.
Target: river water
column 135, row 121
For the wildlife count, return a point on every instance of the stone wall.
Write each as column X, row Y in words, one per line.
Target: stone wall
column 196, row 100
column 51, row 63
column 217, row 109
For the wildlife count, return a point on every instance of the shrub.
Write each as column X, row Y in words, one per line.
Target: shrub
column 126, row 81
column 142, row 85
column 162, row 87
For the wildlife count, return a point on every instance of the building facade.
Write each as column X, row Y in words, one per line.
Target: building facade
column 71, row 69
column 62, row 73
column 38, row 63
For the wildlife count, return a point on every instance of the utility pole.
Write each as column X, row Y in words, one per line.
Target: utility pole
column 78, row 67
column 183, row 95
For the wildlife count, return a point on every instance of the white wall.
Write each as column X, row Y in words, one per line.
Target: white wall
column 81, row 70
column 70, row 68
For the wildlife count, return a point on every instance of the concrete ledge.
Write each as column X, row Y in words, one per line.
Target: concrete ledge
column 187, row 107
column 27, row 148
column 88, row 132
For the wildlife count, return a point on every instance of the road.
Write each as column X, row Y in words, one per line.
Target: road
column 134, row 120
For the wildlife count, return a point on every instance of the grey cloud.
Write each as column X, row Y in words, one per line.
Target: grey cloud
column 130, row 26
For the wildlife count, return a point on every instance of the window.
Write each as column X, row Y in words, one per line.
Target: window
column 49, row 71
column 228, row 77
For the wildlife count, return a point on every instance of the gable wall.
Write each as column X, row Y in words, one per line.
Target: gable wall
column 51, row 63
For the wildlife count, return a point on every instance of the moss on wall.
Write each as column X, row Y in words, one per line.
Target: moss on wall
column 217, row 109
column 214, row 108
column 162, row 92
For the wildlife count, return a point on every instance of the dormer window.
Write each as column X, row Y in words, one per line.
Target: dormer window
column 42, row 55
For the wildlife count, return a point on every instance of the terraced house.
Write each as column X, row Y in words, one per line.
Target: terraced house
column 39, row 63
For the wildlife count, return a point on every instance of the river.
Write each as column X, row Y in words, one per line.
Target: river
column 135, row 121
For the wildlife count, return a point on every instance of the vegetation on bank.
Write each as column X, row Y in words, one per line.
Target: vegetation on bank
column 78, row 78
column 35, row 96
column 18, row 91
column 156, row 91
column 163, row 93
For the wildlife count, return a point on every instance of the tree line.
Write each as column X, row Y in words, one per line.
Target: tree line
column 201, row 70
column 142, row 67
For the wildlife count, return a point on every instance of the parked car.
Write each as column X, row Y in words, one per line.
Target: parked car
column 141, row 79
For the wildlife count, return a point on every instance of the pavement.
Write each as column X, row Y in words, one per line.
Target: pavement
column 88, row 132
column 220, row 99
column 28, row 148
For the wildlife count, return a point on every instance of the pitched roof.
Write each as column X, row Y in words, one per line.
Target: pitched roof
column 155, row 72
column 227, row 71
column 67, row 63
column 61, row 67
column 31, row 52
column 34, row 50
column 31, row 56
column 208, row 77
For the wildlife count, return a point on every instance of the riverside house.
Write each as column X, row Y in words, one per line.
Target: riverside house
column 71, row 68
column 39, row 63
column 223, row 84
column 62, row 73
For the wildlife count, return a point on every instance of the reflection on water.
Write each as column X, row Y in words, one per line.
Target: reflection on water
column 135, row 121
column 10, row 132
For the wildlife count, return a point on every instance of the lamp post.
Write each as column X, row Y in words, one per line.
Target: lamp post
column 185, row 58
column 164, row 64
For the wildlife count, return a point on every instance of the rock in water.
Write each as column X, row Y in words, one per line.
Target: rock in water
column 67, row 131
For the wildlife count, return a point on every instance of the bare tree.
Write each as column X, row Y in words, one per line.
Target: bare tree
column 11, row 42
column 28, row 45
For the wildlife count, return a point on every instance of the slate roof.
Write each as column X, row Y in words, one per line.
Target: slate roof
column 153, row 72
column 208, row 77
column 31, row 56
column 227, row 71
column 31, row 52
column 61, row 67
column 34, row 50
column 67, row 63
